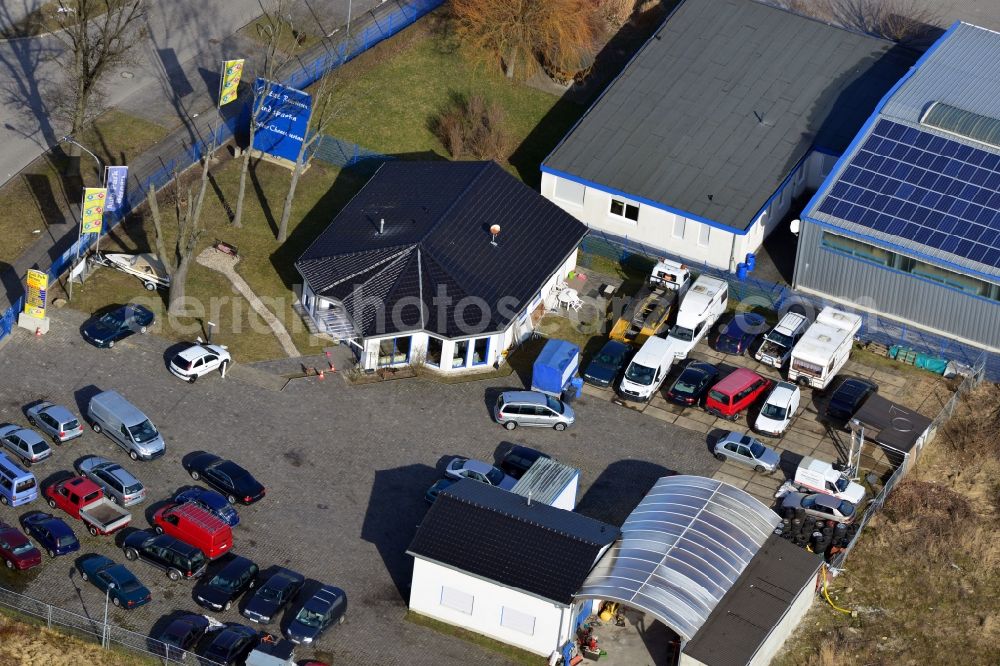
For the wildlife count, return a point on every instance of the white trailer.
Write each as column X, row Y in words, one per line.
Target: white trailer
column 824, row 349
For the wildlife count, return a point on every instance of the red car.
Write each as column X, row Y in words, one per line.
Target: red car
column 16, row 550
column 735, row 392
column 84, row 500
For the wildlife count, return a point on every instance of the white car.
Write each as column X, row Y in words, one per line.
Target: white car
column 200, row 359
column 778, row 410
column 462, row 468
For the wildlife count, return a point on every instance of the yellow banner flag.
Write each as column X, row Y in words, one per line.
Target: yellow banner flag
column 93, row 209
column 34, row 302
column 232, row 70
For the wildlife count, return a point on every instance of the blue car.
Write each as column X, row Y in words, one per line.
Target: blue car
column 740, row 333
column 108, row 328
column 603, row 370
column 231, row 645
column 51, row 533
column 210, row 501
column 123, row 588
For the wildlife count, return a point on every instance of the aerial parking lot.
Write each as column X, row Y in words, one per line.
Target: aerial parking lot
column 345, row 469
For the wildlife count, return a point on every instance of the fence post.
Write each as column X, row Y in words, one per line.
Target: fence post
column 48, row 615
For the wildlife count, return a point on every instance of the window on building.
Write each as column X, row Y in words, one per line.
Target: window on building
column 457, row 600
column 951, row 279
column 704, row 235
column 434, row 347
column 480, row 351
column 517, row 621
column 570, row 192
column 856, row 248
column 458, row 355
column 625, row 210
column 394, row 351
column 679, row 224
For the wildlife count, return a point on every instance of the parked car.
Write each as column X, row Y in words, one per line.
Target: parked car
column 735, row 392
column 850, row 394
column 54, row 420
column 122, row 587
column 51, row 533
column 117, row 483
column 227, row 477
column 603, row 369
column 24, row 443
column 519, row 459
column 231, row 644
column 125, row 424
column 818, row 476
column 192, row 524
column 230, row 577
column 441, row 484
column 462, row 468
column 211, row 501
column 182, row 635
column 778, row 410
column 821, row 505
column 84, row 500
column 200, row 359
column 106, row 329
column 18, row 486
column 740, row 333
column 178, row 559
column 776, row 347
column 324, row 607
column 16, row 551
column 691, row 385
column 747, row 450
column 532, row 408
column 273, row 595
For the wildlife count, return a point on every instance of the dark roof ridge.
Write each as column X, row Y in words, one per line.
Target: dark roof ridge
column 385, row 262
column 526, row 519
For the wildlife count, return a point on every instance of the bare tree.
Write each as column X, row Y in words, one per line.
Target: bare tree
column 98, row 36
column 903, row 21
column 187, row 215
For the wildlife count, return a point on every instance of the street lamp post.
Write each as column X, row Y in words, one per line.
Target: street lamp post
column 79, row 233
column 104, row 634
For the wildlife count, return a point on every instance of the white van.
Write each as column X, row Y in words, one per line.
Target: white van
column 120, row 420
column 648, row 369
column 824, row 349
column 700, row 308
column 817, row 476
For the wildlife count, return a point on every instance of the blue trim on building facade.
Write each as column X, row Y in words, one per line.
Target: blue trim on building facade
column 781, row 188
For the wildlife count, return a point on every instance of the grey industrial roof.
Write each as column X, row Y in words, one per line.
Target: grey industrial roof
column 754, row 606
column 713, row 113
column 682, row 549
column 898, row 428
column 544, row 480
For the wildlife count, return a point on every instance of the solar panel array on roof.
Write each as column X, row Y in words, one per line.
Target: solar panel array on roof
column 932, row 190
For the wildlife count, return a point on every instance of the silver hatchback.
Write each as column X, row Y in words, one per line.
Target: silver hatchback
column 117, row 483
column 532, row 408
column 55, row 420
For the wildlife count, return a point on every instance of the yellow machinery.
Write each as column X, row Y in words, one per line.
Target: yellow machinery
column 646, row 315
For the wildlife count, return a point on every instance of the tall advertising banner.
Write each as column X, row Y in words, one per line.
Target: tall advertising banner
column 232, row 71
column 115, row 177
column 34, row 301
column 282, row 119
column 93, row 209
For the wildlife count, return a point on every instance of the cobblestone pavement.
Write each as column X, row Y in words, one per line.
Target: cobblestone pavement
column 345, row 468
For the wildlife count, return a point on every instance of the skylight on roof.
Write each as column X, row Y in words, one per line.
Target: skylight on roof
column 967, row 124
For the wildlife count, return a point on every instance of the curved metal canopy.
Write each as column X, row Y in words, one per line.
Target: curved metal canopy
column 681, row 550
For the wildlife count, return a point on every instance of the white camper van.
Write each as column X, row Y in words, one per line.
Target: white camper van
column 649, row 367
column 818, row 476
column 824, row 349
column 700, row 308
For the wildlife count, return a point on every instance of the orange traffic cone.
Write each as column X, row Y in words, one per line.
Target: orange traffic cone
column 38, row 331
column 332, row 367
column 321, row 375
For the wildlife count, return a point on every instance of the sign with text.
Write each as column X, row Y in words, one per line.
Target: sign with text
column 115, row 178
column 232, row 71
column 34, row 301
column 93, row 209
column 282, row 119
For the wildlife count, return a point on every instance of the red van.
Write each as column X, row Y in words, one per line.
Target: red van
column 195, row 526
column 735, row 392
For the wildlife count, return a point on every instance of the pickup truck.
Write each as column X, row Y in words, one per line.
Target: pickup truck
column 84, row 500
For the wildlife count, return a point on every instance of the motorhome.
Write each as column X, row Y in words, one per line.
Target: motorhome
column 648, row 369
column 824, row 348
column 700, row 308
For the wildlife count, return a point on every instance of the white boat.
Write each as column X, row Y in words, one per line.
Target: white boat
column 147, row 267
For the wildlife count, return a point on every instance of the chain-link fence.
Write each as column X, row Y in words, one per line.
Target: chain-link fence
column 110, row 636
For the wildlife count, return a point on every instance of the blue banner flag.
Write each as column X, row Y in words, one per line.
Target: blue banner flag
column 115, row 178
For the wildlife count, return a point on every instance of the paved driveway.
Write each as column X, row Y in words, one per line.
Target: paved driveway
column 345, row 467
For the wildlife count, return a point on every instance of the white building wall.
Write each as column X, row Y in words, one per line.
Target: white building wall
column 786, row 626
column 432, row 582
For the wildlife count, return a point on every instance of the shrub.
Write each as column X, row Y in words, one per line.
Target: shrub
column 472, row 127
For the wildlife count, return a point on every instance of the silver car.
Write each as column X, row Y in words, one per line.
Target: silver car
column 820, row 505
column 25, row 443
column 748, row 451
column 56, row 421
column 117, row 483
column 532, row 408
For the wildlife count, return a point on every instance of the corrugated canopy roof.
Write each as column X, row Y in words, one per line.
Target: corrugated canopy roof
column 682, row 548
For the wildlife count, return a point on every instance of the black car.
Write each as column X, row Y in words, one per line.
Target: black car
column 694, row 381
column 847, row 399
column 231, row 576
column 740, row 333
column 182, row 634
column 278, row 590
column 237, row 484
column 519, row 460
column 106, row 329
column 603, row 370
column 324, row 607
column 231, row 644
column 177, row 558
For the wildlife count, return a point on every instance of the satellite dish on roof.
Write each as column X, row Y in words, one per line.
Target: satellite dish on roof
column 495, row 231
column 795, row 225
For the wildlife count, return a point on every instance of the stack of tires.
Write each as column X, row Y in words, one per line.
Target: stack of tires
column 821, row 536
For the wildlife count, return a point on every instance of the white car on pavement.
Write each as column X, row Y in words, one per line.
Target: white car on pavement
column 200, row 359
column 778, row 410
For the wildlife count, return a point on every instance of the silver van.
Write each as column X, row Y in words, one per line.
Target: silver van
column 532, row 408
column 116, row 417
